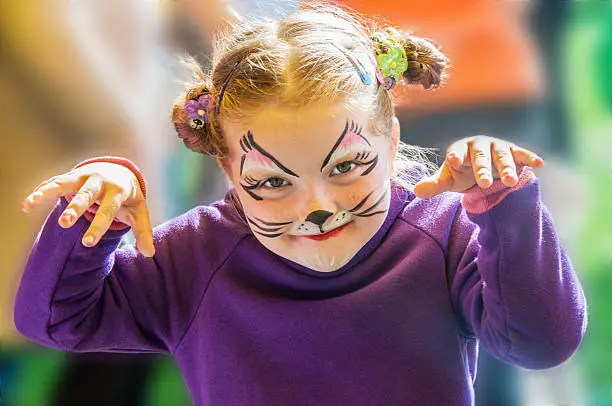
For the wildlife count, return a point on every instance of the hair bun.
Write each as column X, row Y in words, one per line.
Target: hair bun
column 426, row 63
column 192, row 118
column 196, row 140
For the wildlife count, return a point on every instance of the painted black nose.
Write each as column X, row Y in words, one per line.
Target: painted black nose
column 318, row 217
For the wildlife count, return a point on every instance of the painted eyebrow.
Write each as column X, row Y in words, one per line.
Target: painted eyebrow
column 247, row 143
column 349, row 128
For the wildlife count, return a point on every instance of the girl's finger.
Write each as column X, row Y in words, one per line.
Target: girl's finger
column 457, row 153
column 44, row 182
column 67, row 177
column 523, row 157
column 504, row 162
column 480, row 155
column 81, row 201
column 439, row 182
column 109, row 207
column 51, row 189
column 142, row 231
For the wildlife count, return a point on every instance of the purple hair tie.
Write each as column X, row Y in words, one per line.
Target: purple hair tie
column 198, row 111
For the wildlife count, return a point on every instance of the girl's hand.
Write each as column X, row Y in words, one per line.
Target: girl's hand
column 114, row 187
column 468, row 162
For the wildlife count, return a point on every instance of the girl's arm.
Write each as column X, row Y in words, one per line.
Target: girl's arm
column 511, row 281
column 106, row 298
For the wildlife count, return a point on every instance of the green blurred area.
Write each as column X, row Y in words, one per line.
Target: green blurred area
column 589, row 58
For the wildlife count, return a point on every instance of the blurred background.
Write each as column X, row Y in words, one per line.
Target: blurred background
column 82, row 78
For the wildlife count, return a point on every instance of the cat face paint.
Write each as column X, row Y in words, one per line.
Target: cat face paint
column 256, row 157
column 310, row 181
column 350, row 141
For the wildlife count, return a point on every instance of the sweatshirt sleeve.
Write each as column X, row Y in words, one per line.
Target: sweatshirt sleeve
column 511, row 282
column 109, row 298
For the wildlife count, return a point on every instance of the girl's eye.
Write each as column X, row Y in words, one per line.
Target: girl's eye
column 344, row 167
column 275, row 183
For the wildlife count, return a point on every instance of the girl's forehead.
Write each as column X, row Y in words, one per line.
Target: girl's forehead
column 287, row 127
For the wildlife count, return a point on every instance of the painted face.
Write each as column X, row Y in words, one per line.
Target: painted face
column 314, row 183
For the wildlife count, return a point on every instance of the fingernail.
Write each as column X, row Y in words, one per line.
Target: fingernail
column 483, row 174
column 485, row 178
column 69, row 215
column 88, row 240
column 508, row 173
column 66, row 218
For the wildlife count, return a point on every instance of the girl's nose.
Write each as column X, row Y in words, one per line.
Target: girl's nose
column 318, row 217
column 319, row 204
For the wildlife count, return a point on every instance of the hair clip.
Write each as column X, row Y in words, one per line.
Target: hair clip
column 391, row 59
column 361, row 71
column 198, row 111
column 222, row 92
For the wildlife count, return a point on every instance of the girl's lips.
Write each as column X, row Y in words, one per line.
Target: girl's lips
column 329, row 234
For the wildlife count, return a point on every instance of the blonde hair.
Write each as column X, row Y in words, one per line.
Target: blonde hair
column 299, row 60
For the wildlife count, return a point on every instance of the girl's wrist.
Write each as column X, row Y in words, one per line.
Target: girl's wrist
column 120, row 161
column 478, row 200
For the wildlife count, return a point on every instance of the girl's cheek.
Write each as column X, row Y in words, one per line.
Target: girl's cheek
column 358, row 192
column 269, row 210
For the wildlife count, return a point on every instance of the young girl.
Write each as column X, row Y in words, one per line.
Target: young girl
column 326, row 276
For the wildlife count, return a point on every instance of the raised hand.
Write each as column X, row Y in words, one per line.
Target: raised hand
column 114, row 187
column 468, row 162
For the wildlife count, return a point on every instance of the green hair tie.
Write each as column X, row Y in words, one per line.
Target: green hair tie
column 391, row 58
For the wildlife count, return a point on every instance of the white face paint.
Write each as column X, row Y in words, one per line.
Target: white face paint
column 314, row 183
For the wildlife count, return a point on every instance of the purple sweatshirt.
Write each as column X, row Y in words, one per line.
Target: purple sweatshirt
column 398, row 325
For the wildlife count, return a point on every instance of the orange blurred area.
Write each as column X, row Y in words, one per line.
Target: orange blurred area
column 493, row 56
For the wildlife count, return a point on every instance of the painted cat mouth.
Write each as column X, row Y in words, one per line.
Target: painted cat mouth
column 326, row 235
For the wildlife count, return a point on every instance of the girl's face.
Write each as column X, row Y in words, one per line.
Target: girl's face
column 314, row 183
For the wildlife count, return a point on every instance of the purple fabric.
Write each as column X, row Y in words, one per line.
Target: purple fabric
column 398, row 325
